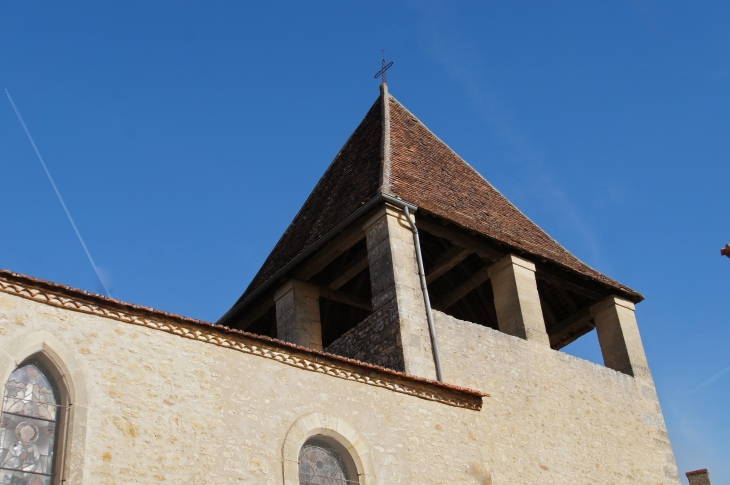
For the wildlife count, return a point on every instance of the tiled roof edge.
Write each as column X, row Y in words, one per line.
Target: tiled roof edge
column 74, row 299
column 702, row 471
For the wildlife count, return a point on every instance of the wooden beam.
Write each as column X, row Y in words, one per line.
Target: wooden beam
column 265, row 305
column 549, row 316
column 345, row 298
column 474, row 312
column 463, row 289
column 458, row 238
column 571, row 324
column 488, row 304
column 341, row 243
column 581, row 316
column 357, row 266
column 256, row 312
column 447, row 260
column 568, row 338
column 542, row 274
column 568, row 298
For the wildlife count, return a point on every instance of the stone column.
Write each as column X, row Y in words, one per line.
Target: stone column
column 396, row 289
column 516, row 300
column 297, row 314
column 618, row 334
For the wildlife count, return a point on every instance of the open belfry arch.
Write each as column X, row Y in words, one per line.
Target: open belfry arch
column 344, row 277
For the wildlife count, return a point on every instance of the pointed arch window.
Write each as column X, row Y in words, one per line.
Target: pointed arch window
column 29, row 427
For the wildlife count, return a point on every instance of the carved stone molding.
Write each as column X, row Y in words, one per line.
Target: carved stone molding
column 249, row 344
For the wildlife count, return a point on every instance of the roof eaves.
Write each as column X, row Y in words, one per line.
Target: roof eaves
column 372, row 203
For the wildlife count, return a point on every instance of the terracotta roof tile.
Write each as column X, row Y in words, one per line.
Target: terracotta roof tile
column 427, row 173
column 423, row 171
column 350, row 181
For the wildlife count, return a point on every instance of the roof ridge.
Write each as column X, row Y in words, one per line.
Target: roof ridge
column 385, row 145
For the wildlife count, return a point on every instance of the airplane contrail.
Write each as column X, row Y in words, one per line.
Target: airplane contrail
column 710, row 380
column 58, row 194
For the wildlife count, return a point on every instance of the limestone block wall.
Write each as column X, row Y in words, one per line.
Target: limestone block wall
column 297, row 314
column 151, row 406
column 159, row 402
column 555, row 418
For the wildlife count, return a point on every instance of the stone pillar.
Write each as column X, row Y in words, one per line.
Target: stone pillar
column 516, row 300
column 618, row 334
column 699, row 477
column 297, row 314
column 396, row 289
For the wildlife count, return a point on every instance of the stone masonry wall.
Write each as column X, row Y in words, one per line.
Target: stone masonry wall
column 161, row 408
column 555, row 418
column 375, row 340
column 394, row 280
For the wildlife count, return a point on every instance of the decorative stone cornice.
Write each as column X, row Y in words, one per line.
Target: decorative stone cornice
column 306, row 359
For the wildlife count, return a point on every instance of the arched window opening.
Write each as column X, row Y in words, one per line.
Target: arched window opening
column 324, row 461
column 29, row 427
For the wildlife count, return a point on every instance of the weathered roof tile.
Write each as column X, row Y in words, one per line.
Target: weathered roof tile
column 427, row 173
column 422, row 170
column 350, row 181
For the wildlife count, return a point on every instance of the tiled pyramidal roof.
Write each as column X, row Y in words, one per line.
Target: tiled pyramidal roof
column 392, row 152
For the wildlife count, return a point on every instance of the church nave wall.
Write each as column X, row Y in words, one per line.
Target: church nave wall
column 162, row 408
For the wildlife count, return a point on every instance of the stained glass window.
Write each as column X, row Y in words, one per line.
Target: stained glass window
column 28, row 429
column 321, row 464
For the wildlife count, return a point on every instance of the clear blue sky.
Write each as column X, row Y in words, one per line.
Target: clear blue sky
column 184, row 136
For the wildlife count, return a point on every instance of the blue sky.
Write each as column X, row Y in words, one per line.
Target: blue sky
column 184, row 136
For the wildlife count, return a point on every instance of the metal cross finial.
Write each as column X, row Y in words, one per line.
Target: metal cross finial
column 385, row 68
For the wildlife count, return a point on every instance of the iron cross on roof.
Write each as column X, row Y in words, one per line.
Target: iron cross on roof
column 385, row 68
